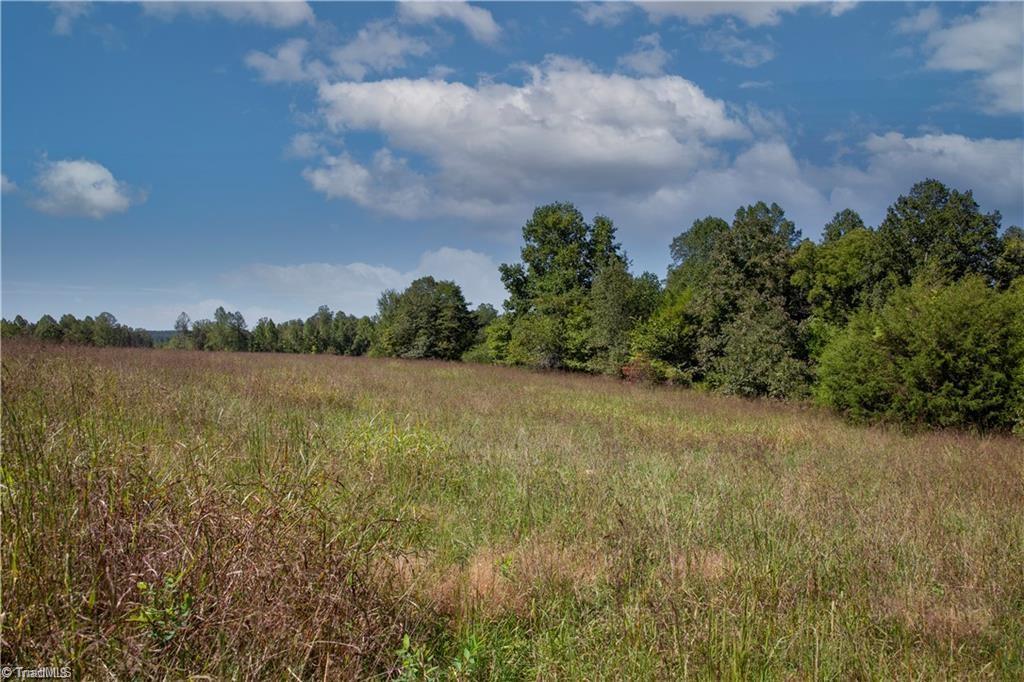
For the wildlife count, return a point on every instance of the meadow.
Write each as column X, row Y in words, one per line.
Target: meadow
column 262, row 516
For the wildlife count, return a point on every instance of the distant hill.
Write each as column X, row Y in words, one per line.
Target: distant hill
column 161, row 336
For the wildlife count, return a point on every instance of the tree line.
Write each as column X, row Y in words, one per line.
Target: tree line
column 104, row 331
column 918, row 320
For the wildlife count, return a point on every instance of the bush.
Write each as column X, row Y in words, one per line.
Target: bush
column 668, row 338
column 950, row 356
column 479, row 353
column 538, row 341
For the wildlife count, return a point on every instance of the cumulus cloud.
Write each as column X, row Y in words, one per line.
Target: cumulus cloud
column 989, row 43
column 378, row 47
column 629, row 144
column 82, row 188
column 66, row 14
column 566, row 126
column 648, row 59
column 355, row 287
column 477, row 20
column 993, row 168
column 386, row 184
column 6, row 185
column 278, row 14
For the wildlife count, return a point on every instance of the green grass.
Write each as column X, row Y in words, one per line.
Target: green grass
column 168, row 514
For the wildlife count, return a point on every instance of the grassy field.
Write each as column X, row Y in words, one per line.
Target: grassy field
column 311, row 517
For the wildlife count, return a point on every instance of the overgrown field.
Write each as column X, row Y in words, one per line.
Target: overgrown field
column 279, row 517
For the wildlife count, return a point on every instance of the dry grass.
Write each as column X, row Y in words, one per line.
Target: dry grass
column 168, row 514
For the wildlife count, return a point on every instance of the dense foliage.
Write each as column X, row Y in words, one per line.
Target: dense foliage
column 103, row 331
column 429, row 319
column 917, row 321
column 941, row 355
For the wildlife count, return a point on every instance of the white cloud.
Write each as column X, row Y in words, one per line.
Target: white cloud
column 923, row 20
column 355, row 287
column 277, row 14
column 378, row 47
column 648, row 58
column 838, row 8
column 475, row 272
column 749, row 13
column 994, row 169
column 82, row 188
column 751, row 85
column 387, row 185
column 606, row 14
column 6, row 185
column 477, row 20
column 566, row 126
column 768, row 171
column 737, row 50
column 989, row 43
column 653, row 150
column 288, row 63
column 66, row 15
column 729, row 17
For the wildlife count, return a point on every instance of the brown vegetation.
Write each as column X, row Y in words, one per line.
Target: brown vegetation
column 175, row 513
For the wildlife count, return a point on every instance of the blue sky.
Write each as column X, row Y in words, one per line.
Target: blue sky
column 274, row 157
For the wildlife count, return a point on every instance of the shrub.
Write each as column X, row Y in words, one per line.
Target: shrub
column 536, row 340
column 939, row 355
column 668, row 338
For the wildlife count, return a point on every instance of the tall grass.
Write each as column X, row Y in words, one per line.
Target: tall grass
column 168, row 514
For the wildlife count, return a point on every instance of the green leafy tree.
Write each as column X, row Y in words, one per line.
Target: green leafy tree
column 837, row 276
column 549, row 289
column 843, row 223
column 484, row 315
column 430, row 319
column 753, row 259
column 290, row 336
column 664, row 347
column 74, row 331
column 537, row 340
column 365, row 336
column 104, row 330
column 691, row 252
column 47, row 329
column 618, row 302
column 1009, row 264
column 318, row 331
column 938, row 230
column 761, row 353
column 227, row 332
column 265, row 337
